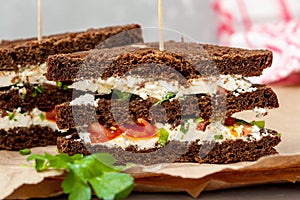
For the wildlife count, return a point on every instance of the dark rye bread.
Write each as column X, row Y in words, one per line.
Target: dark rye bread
column 31, row 52
column 23, row 137
column 10, row 98
column 113, row 112
column 191, row 60
column 229, row 151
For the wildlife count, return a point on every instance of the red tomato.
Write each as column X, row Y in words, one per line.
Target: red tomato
column 99, row 133
column 51, row 115
column 142, row 129
column 229, row 121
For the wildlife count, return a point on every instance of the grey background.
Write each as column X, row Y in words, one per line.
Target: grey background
column 18, row 18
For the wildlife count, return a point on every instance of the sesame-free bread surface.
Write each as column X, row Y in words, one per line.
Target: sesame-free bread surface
column 31, row 52
column 191, row 60
column 228, row 151
column 110, row 112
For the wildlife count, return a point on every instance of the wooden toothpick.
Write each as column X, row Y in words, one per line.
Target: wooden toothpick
column 40, row 34
column 160, row 24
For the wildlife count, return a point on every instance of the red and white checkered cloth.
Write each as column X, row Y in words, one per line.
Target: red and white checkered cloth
column 269, row 24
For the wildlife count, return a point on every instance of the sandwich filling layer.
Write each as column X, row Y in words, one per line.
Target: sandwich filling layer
column 33, row 75
column 159, row 88
column 145, row 136
column 17, row 118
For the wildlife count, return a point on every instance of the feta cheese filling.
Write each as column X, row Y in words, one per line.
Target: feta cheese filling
column 215, row 131
column 149, row 88
column 33, row 74
column 17, row 119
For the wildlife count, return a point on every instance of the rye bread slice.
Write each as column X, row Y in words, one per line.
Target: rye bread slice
column 45, row 100
column 191, row 60
column 31, row 52
column 113, row 112
column 228, row 151
column 27, row 137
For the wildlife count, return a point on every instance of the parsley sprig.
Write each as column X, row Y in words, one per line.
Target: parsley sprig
column 85, row 173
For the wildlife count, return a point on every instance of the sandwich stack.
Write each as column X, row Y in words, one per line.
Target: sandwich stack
column 27, row 98
column 148, row 106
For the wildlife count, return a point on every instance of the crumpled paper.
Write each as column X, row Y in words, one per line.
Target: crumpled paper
column 24, row 182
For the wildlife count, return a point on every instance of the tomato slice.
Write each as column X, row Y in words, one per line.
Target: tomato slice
column 51, row 115
column 142, row 129
column 229, row 121
column 100, row 134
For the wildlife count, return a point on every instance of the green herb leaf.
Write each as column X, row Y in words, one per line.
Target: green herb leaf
column 39, row 89
column 59, row 84
column 11, row 115
column 25, row 151
column 260, row 124
column 163, row 136
column 122, row 95
column 199, row 120
column 112, row 185
column 166, row 98
column 65, row 87
column 240, row 121
column 278, row 134
column 185, row 127
column 23, row 97
column 42, row 116
column 97, row 171
column 218, row 137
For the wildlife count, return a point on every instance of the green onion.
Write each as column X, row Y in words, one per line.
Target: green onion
column 218, row 137
column 260, row 124
column 25, row 151
column 163, row 136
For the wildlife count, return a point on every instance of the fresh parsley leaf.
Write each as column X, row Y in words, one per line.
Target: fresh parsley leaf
column 112, row 185
column 96, row 171
column 163, row 136
column 260, row 124
column 166, row 98
column 218, row 137
column 25, row 151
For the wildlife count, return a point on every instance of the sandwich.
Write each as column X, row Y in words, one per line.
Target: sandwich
column 148, row 106
column 27, row 98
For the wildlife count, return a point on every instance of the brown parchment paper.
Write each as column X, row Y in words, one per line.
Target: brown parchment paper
column 22, row 182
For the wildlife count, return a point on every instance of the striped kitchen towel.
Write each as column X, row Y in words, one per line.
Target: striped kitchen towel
column 270, row 24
